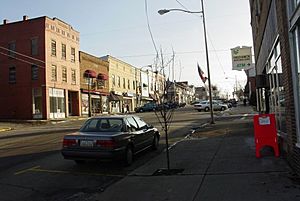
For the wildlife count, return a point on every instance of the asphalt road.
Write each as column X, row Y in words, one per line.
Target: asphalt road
column 32, row 168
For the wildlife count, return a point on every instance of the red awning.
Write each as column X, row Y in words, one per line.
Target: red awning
column 90, row 74
column 102, row 76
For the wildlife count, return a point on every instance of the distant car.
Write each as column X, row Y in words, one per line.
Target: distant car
column 110, row 137
column 148, row 107
column 205, row 106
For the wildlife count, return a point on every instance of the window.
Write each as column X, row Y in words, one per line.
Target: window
column 72, row 54
column 34, row 46
column 141, row 124
column 12, row 75
column 64, row 74
column 128, row 83
column 12, row 49
column 34, row 72
column 119, row 81
column 53, row 73
column 37, row 101
column 124, row 83
column 132, row 124
column 63, row 51
column 133, row 84
column 53, row 48
column 113, row 79
column 73, row 75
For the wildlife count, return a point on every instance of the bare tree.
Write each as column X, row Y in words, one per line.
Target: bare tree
column 164, row 113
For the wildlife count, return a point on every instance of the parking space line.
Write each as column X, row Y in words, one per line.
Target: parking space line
column 38, row 169
column 26, row 170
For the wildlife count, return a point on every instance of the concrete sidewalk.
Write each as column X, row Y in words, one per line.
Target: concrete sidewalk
column 217, row 163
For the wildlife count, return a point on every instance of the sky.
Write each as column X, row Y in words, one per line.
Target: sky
column 120, row 28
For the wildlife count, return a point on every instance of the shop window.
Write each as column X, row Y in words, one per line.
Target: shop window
column 37, row 101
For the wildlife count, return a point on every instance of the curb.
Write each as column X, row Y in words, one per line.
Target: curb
column 5, row 129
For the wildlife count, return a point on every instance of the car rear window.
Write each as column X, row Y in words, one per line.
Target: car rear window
column 103, row 125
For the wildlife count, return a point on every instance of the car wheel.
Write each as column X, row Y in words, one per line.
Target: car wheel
column 206, row 109
column 222, row 108
column 80, row 162
column 128, row 156
column 155, row 143
column 141, row 110
column 199, row 110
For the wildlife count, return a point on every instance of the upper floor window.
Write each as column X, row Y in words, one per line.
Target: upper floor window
column 63, row 51
column 73, row 75
column 64, row 74
column 34, row 72
column 53, row 48
column 53, row 73
column 119, row 81
column 12, row 75
column 133, row 85
column 124, row 83
column 12, row 49
column 72, row 54
column 128, row 84
column 113, row 79
column 34, row 46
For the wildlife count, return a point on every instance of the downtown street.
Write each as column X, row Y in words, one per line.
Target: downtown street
column 32, row 167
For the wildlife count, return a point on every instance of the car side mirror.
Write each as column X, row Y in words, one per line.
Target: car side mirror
column 150, row 126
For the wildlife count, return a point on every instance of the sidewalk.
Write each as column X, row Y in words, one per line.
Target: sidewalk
column 218, row 164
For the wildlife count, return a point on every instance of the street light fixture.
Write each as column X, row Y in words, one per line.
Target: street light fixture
column 164, row 11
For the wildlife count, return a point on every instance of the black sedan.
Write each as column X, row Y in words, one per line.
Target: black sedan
column 110, row 137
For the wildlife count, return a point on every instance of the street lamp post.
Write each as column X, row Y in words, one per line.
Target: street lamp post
column 164, row 11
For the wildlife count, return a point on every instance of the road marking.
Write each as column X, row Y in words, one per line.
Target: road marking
column 38, row 169
column 26, row 170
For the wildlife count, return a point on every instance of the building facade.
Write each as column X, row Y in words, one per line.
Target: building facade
column 276, row 71
column 94, row 85
column 39, row 74
column 122, row 85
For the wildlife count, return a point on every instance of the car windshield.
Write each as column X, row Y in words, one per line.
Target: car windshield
column 103, row 125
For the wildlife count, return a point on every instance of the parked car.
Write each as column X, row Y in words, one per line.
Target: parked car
column 147, row 107
column 205, row 106
column 110, row 137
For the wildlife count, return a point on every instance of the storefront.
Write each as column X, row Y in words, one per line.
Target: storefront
column 57, row 103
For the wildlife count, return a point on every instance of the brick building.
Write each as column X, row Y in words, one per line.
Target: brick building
column 94, row 84
column 276, row 76
column 39, row 69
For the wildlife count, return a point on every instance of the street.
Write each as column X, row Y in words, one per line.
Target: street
column 32, row 167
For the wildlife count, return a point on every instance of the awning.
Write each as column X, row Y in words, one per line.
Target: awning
column 114, row 97
column 90, row 74
column 102, row 76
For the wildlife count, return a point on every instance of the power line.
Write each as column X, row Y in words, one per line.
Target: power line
column 15, row 52
column 149, row 28
column 23, row 60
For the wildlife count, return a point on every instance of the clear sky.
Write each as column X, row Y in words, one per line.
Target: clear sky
column 119, row 28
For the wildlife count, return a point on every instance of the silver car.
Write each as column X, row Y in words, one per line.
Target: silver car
column 205, row 106
column 110, row 137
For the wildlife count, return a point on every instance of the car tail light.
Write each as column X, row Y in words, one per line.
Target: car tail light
column 106, row 143
column 69, row 142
